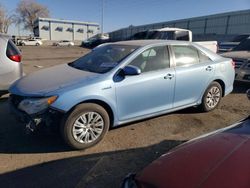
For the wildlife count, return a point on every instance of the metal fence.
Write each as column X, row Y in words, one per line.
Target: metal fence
column 219, row 27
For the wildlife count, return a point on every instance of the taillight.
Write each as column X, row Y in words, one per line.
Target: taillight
column 16, row 58
column 233, row 63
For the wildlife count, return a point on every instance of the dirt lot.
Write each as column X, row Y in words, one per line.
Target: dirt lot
column 44, row 160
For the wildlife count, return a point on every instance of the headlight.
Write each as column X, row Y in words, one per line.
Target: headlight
column 32, row 106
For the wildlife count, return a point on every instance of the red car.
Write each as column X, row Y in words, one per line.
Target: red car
column 218, row 160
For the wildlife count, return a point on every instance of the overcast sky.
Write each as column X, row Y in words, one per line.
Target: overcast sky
column 122, row 13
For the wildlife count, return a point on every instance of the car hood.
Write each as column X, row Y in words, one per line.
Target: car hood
column 220, row 160
column 50, row 79
column 237, row 54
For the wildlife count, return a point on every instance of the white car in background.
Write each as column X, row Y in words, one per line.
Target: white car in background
column 31, row 42
column 169, row 33
column 64, row 43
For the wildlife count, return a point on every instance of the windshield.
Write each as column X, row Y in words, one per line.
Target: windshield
column 243, row 46
column 104, row 58
column 165, row 35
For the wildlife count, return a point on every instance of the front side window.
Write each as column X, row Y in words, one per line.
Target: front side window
column 152, row 59
column 185, row 55
column 80, row 30
column 104, row 58
column 60, row 29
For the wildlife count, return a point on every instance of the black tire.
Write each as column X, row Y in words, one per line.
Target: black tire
column 215, row 100
column 67, row 125
column 37, row 44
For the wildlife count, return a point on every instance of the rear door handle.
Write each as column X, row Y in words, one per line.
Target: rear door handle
column 169, row 76
column 209, row 68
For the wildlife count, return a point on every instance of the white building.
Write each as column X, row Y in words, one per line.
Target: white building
column 56, row 29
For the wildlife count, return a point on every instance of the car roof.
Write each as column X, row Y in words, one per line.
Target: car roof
column 150, row 42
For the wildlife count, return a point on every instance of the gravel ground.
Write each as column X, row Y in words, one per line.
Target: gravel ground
column 44, row 160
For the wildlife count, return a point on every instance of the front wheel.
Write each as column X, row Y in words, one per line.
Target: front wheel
column 85, row 126
column 211, row 97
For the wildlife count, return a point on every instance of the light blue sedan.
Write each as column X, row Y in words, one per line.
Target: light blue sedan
column 121, row 82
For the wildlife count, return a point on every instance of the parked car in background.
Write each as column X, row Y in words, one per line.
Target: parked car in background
column 241, row 56
column 140, row 35
column 228, row 46
column 169, row 33
column 95, row 40
column 64, row 43
column 10, row 63
column 36, row 38
column 121, row 82
column 31, row 42
column 219, row 159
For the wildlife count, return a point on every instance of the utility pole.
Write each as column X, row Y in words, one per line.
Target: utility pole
column 102, row 15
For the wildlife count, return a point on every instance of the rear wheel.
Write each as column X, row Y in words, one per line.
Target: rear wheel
column 85, row 126
column 37, row 44
column 211, row 97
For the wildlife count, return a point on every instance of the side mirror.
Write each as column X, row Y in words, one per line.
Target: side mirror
column 248, row 94
column 131, row 70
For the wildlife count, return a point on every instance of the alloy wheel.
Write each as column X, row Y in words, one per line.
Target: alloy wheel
column 213, row 97
column 88, row 127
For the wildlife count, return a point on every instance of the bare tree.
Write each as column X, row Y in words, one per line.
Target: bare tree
column 5, row 20
column 28, row 11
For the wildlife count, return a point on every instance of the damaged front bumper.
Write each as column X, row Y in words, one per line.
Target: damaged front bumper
column 48, row 118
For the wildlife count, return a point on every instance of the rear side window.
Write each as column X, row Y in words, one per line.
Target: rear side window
column 152, row 59
column 203, row 57
column 185, row 55
column 12, row 49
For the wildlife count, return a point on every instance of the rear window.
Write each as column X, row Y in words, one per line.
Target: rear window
column 164, row 35
column 12, row 49
column 185, row 55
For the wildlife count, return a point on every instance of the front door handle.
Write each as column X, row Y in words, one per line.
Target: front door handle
column 169, row 76
column 209, row 68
